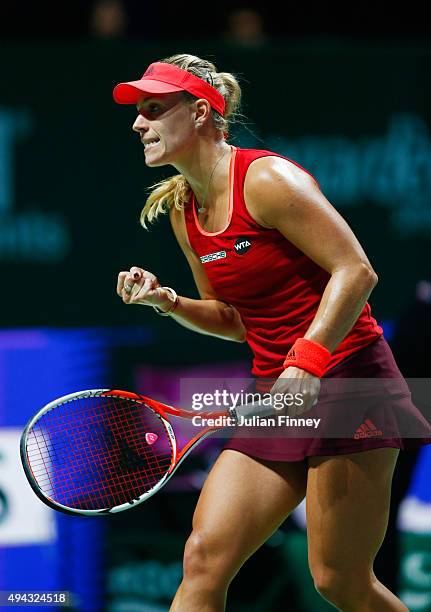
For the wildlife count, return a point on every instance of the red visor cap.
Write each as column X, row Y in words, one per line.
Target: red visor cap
column 161, row 78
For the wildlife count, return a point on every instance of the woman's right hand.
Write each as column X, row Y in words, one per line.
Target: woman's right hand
column 138, row 286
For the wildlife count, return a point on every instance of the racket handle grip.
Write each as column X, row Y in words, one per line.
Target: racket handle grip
column 253, row 409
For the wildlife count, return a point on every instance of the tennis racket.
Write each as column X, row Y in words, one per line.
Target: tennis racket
column 103, row 451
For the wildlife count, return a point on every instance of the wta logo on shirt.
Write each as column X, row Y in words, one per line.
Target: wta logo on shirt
column 242, row 245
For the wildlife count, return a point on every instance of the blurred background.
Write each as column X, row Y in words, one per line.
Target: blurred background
column 346, row 94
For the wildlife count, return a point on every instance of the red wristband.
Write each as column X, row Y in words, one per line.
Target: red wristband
column 309, row 356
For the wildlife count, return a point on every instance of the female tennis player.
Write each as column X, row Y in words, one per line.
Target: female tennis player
column 278, row 267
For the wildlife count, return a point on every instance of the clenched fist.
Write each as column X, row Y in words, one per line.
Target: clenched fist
column 138, row 286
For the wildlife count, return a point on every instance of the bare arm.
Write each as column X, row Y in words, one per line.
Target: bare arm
column 282, row 196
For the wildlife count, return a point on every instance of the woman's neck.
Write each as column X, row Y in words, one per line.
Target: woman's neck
column 207, row 170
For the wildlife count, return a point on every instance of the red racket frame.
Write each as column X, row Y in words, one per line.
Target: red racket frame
column 163, row 410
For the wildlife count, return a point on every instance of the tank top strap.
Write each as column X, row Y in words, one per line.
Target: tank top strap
column 244, row 158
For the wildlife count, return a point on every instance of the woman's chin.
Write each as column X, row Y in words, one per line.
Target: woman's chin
column 154, row 159
column 153, row 162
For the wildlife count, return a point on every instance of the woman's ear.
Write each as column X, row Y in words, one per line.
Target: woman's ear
column 203, row 111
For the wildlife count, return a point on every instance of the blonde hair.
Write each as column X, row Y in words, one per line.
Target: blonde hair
column 175, row 191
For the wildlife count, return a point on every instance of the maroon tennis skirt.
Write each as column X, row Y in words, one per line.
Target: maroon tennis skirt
column 375, row 420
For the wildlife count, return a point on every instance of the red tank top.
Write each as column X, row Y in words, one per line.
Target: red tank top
column 273, row 285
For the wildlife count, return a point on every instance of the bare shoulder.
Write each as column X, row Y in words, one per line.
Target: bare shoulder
column 273, row 182
column 282, row 196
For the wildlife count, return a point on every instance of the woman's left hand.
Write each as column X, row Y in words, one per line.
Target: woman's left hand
column 299, row 388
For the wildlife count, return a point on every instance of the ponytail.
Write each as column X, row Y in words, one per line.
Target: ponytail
column 174, row 191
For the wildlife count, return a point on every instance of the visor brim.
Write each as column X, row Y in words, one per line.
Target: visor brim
column 133, row 91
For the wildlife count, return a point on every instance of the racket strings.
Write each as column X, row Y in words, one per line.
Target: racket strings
column 92, row 453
